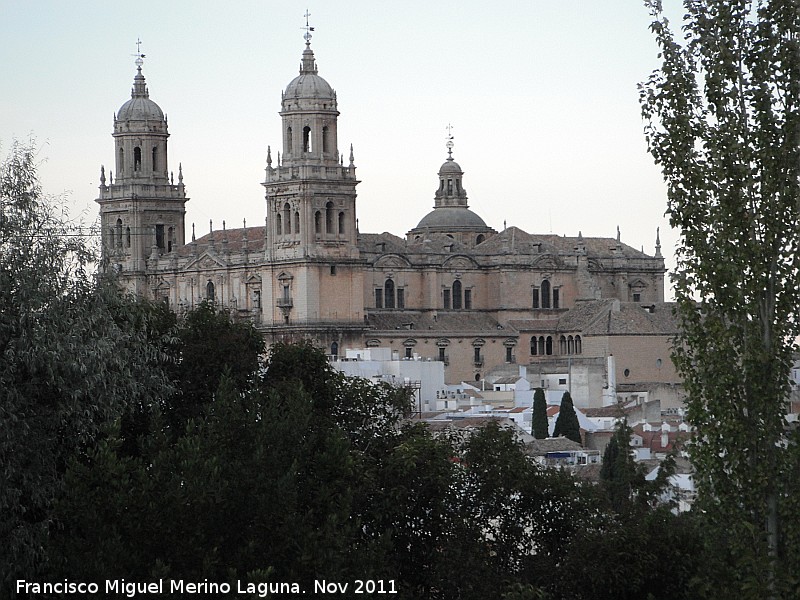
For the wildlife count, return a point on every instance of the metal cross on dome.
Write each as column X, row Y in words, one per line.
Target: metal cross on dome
column 449, row 139
column 139, row 56
column 308, row 28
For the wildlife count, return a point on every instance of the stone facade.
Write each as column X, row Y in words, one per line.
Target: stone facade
column 452, row 289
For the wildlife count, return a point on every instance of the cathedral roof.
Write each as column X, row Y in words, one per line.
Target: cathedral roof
column 140, row 107
column 633, row 319
column 235, row 241
column 442, row 321
column 515, row 240
column 607, row 317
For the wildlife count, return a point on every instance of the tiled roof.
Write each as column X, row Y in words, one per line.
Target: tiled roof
column 444, row 321
column 560, row 444
column 633, row 319
column 235, row 238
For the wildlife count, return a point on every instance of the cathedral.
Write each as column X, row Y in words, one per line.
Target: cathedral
column 451, row 289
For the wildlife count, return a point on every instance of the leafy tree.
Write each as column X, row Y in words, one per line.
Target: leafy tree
column 70, row 362
column 723, row 115
column 539, row 422
column 261, row 480
column 567, row 421
column 209, row 344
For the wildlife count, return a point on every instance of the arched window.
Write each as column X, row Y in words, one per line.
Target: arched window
column 479, row 239
column 288, row 140
column 388, row 293
column 449, row 187
column 137, row 158
column 548, row 346
column 578, row 348
column 570, row 345
column 155, row 159
column 456, row 294
column 326, row 142
column 119, row 233
column 170, row 237
column 121, row 165
column 545, row 294
column 541, row 344
column 210, row 291
column 341, row 223
column 287, row 218
column 562, row 345
column 533, row 346
column 306, row 139
column 329, row 217
column 317, row 222
column 334, row 349
column 128, row 237
column 297, row 222
column 278, row 228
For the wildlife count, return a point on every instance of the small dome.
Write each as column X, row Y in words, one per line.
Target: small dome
column 309, row 85
column 450, row 166
column 140, row 109
column 451, row 217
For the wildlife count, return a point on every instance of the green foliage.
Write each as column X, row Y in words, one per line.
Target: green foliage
column 209, row 344
column 723, row 118
column 539, row 422
column 567, row 421
column 71, row 359
column 652, row 554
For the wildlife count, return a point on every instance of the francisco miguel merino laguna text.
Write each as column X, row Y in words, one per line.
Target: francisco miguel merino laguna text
column 132, row 588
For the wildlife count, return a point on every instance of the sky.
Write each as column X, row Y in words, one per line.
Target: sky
column 541, row 95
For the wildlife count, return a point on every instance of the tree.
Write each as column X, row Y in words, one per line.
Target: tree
column 567, row 421
column 723, row 123
column 618, row 470
column 70, row 362
column 539, row 424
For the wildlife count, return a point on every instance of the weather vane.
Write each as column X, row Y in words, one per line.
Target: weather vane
column 308, row 28
column 139, row 56
column 449, row 140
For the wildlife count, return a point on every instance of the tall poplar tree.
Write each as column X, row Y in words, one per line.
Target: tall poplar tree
column 723, row 123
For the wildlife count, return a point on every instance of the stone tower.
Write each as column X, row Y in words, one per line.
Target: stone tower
column 142, row 210
column 312, row 237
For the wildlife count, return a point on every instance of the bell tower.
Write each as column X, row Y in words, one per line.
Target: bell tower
column 142, row 210
column 312, row 237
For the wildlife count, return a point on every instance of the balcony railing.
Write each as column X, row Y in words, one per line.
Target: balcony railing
column 284, row 303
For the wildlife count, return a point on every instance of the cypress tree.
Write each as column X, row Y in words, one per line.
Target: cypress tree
column 567, row 422
column 539, row 423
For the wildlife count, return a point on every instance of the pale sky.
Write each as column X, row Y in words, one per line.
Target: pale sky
column 542, row 97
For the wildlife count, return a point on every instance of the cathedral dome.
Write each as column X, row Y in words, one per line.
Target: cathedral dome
column 140, row 107
column 451, row 217
column 308, row 84
column 450, row 166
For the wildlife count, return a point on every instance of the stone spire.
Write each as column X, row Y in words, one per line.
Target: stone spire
column 658, row 243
